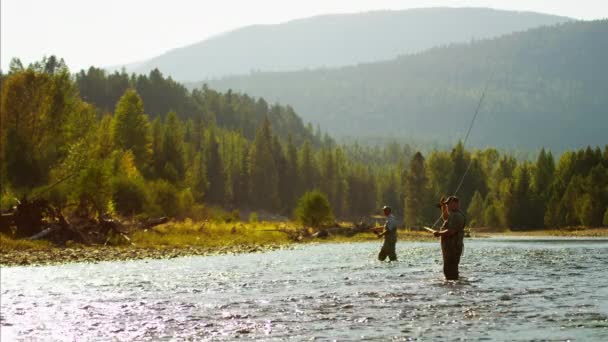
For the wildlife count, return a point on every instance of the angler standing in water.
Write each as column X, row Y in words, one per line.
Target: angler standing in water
column 389, row 232
column 452, row 236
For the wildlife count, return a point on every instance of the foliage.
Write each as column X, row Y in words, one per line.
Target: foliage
column 207, row 234
column 129, row 196
column 93, row 189
column 130, row 127
column 164, row 197
column 546, row 87
column 184, row 166
column 475, row 213
column 9, row 244
column 161, row 95
column 313, row 209
column 416, row 194
column 253, row 217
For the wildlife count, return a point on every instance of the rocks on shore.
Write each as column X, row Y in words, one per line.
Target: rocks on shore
column 93, row 254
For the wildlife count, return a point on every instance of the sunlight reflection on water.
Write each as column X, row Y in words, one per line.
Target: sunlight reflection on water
column 512, row 289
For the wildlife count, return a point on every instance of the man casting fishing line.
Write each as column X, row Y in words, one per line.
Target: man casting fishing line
column 452, row 236
column 389, row 232
column 452, row 230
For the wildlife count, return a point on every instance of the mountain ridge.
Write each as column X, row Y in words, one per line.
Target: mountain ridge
column 335, row 40
column 548, row 78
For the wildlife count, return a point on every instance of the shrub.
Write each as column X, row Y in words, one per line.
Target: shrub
column 164, row 197
column 313, row 209
column 7, row 200
column 9, row 244
column 59, row 195
column 186, row 203
column 128, row 196
column 235, row 215
column 93, row 188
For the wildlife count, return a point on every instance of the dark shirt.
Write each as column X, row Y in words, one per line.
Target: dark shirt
column 455, row 222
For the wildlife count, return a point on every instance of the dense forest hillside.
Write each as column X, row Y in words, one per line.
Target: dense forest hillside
column 546, row 87
column 336, row 40
column 162, row 95
column 56, row 146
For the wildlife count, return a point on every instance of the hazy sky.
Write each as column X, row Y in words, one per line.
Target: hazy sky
column 114, row 32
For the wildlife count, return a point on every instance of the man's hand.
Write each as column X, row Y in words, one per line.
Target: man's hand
column 379, row 231
column 446, row 232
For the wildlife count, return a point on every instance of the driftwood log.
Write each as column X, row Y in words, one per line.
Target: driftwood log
column 300, row 234
column 38, row 219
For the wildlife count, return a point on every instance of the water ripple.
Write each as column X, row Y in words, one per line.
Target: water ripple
column 511, row 290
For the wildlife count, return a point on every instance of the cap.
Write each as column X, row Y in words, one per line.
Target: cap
column 386, row 207
column 444, row 200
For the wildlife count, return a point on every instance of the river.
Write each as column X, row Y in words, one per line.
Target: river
column 512, row 289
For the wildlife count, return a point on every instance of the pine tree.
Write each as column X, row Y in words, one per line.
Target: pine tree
column 342, row 200
column 264, row 182
column 543, row 173
column 130, row 127
column 173, row 149
column 475, row 211
column 440, row 169
column 284, row 184
column 306, row 168
column 328, row 175
column 158, row 158
column 416, row 192
column 197, row 177
column 215, row 168
column 521, row 204
column 288, row 194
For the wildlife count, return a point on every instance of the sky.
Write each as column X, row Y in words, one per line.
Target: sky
column 117, row 32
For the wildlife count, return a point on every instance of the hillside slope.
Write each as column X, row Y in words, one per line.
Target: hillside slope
column 547, row 87
column 336, row 40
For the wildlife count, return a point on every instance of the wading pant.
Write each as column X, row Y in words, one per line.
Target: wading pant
column 388, row 250
column 451, row 258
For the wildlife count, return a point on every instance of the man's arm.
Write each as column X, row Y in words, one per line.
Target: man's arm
column 445, row 232
column 378, row 230
column 388, row 226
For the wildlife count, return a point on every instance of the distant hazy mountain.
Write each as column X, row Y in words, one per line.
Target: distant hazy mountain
column 336, row 40
column 547, row 87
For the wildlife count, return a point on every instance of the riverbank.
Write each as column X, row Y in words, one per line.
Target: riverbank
column 183, row 238
column 574, row 232
column 170, row 240
column 189, row 238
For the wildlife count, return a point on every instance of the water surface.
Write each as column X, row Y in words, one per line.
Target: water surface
column 513, row 289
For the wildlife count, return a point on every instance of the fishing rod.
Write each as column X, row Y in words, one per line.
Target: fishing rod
column 483, row 95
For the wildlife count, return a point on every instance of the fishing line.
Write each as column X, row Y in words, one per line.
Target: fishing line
column 466, row 138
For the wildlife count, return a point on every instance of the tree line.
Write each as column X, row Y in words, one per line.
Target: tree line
column 93, row 159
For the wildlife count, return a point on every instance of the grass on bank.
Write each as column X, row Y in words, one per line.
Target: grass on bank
column 564, row 232
column 190, row 233
column 403, row 235
column 214, row 235
column 9, row 244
